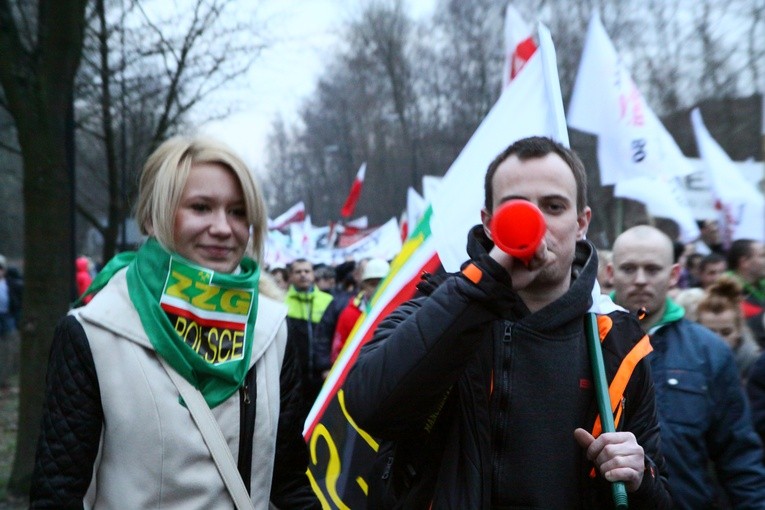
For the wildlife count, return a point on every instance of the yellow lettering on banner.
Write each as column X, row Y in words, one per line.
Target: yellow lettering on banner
column 196, row 342
column 363, row 484
column 213, row 347
column 317, row 491
column 183, row 327
column 202, row 300
column 370, row 441
column 180, row 325
column 176, row 289
column 225, row 339
column 235, row 301
column 237, row 344
column 333, row 464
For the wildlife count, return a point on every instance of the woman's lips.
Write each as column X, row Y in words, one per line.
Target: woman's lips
column 217, row 251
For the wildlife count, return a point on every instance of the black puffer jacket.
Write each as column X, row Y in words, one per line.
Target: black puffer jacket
column 424, row 383
column 73, row 417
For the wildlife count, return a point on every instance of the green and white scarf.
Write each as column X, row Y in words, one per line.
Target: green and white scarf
column 200, row 321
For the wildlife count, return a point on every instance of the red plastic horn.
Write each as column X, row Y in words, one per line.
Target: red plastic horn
column 517, row 228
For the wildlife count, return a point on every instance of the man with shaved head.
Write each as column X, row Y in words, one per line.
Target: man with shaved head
column 703, row 413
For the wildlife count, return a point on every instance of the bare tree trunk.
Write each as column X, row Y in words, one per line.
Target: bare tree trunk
column 38, row 85
column 115, row 205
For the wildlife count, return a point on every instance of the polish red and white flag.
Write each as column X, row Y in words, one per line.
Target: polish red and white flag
column 519, row 44
column 294, row 214
column 355, row 193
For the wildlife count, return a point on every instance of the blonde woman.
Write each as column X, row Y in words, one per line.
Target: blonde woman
column 189, row 308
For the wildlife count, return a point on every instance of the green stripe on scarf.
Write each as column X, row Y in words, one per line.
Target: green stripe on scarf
column 214, row 311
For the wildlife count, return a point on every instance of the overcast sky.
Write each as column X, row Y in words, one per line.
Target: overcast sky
column 304, row 32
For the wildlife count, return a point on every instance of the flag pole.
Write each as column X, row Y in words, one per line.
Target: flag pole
column 618, row 490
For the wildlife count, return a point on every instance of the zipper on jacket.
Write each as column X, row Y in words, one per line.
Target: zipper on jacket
column 244, row 402
column 246, row 419
column 245, row 393
column 503, row 395
column 623, row 416
column 388, row 468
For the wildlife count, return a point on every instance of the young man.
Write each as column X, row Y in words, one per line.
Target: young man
column 711, row 266
column 746, row 261
column 306, row 304
column 703, row 411
column 484, row 387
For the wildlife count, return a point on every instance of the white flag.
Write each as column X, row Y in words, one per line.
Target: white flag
column 664, row 197
column 632, row 142
column 276, row 252
column 741, row 206
column 530, row 105
column 430, row 184
column 519, row 44
column 303, row 240
column 360, row 222
column 415, row 207
column 384, row 243
column 293, row 214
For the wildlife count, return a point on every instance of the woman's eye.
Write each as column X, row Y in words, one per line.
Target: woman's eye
column 240, row 212
column 199, row 207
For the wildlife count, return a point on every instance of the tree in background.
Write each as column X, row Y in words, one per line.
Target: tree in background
column 411, row 115
column 402, row 96
column 40, row 49
column 364, row 109
column 11, row 175
column 143, row 73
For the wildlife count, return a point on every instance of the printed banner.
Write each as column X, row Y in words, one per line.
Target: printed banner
column 342, row 453
column 632, row 141
column 740, row 205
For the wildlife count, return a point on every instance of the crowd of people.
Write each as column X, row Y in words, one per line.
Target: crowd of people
column 714, row 455
column 481, row 389
column 724, row 291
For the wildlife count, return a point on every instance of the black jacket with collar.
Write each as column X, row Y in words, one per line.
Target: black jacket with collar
column 424, row 381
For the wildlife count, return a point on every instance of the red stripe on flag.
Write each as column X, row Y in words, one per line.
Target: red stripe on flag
column 238, row 326
column 523, row 53
column 406, row 293
column 353, row 198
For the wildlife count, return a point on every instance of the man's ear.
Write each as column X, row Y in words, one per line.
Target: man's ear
column 486, row 220
column 674, row 275
column 583, row 223
column 610, row 271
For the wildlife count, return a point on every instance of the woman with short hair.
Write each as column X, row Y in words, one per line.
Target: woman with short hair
column 184, row 327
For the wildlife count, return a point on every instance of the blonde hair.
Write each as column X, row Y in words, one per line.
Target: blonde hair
column 723, row 295
column 164, row 177
column 689, row 299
